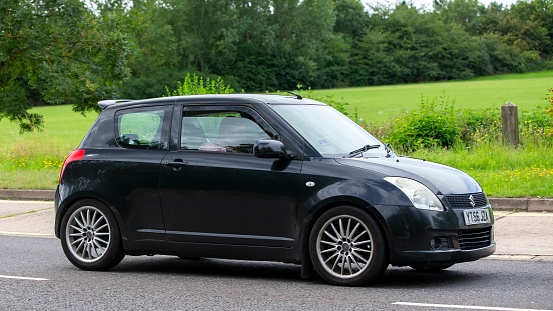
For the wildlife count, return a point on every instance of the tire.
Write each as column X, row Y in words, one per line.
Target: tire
column 347, row 247
column 432, row 267
column 90, row 236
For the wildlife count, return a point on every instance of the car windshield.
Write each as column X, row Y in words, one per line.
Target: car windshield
column 331, row 133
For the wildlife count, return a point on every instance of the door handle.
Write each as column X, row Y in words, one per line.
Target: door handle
column 176, row 163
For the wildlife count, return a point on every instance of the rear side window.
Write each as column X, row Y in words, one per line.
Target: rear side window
column 143, row 128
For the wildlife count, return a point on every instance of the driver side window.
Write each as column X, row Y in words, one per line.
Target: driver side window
column 222, row 131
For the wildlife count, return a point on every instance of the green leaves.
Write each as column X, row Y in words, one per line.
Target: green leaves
column 437, row 124
column 11, row 95
column 58, row 51
column 79, row 52
column 196, row 85
column 433, row 124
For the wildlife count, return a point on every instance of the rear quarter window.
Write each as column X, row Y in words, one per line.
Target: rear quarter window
column 143, row 128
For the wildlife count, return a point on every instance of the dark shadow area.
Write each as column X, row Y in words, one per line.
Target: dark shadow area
column 405, row 277
column 209, row 267
column 393, row 278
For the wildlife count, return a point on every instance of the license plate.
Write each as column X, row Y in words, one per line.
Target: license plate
column 478, row 216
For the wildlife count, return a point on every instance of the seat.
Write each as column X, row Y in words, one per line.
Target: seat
column 231, row 132
column 192, row 135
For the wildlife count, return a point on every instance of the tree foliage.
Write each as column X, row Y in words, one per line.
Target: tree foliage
column 58, row 51
column 268, row 45
column 77, row 51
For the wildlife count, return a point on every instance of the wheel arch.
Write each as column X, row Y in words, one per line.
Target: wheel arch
column 69, row 201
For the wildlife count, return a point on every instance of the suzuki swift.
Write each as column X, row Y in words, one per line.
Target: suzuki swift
column 261, row 177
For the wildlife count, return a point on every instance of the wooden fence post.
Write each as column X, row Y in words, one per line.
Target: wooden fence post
column 509, row 124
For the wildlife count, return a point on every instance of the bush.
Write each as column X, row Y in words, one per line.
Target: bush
column 436, row 123
column 479, row 125
column 549, row 110
column 195, row 85
column 433, row 124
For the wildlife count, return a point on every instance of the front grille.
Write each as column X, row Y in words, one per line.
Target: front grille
column 463, row 200
column 475, row 238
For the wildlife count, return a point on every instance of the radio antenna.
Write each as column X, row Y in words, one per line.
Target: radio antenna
column 297, row 96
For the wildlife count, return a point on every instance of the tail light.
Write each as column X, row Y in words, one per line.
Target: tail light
column 76, row 155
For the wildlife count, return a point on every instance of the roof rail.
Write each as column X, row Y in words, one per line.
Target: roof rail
column 108, row 102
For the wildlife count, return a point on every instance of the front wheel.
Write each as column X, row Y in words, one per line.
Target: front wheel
column 347, row 247
column 90, row 236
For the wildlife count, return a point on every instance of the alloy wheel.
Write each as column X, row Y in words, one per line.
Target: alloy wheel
column 344, row 246
column 88, row 234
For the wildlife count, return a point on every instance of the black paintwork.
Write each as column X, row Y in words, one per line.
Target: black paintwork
column 196, row 203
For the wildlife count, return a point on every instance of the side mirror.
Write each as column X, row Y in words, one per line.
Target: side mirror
column 266, row 148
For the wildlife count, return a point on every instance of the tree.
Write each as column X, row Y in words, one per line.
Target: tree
column 533, row 24
column 409, row 45
column 58, row 51
column 157, row 64
column 196, row 24
column 276, row 44
column 467, row 13
column 351, row 18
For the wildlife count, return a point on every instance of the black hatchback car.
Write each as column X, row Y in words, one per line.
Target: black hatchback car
column 261, row 177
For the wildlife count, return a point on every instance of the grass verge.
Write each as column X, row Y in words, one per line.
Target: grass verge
column 502, row 171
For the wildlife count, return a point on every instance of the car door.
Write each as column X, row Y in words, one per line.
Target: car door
column 215, row 191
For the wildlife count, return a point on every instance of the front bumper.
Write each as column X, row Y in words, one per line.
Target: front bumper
column 444, row 256
column 421, row 236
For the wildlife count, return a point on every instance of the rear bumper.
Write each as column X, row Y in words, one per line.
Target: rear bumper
column 57, row 221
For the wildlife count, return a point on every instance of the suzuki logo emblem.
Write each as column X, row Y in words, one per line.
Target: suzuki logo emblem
column 472, row 202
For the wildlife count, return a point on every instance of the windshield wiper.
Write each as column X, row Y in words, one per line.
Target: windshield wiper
column 361, row 150
column 389, row 150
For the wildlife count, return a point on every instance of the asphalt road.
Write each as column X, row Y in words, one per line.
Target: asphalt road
column 170, row 283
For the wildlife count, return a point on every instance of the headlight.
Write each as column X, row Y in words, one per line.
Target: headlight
column 418, row 193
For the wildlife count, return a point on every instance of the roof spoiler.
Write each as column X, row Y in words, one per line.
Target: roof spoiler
column 108, row 102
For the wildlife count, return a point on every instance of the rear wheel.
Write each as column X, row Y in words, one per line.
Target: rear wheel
column 90, row 236
column 347, row 247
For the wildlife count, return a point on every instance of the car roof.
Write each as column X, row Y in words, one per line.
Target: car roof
column 214, row 99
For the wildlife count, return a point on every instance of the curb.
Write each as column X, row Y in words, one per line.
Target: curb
column 27, row 194
column 498, row 204
column 522, row 204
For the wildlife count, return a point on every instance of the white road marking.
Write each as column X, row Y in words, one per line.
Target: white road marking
column 22, row 278
column 414, row 304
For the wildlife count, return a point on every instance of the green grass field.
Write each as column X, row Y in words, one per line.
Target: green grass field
column 375, row 103
column 33, row 160
column 63, row 131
